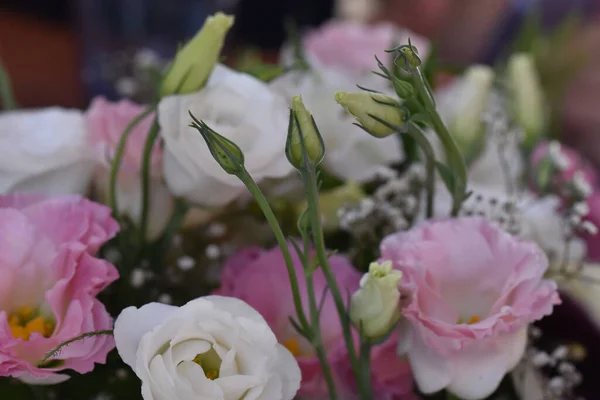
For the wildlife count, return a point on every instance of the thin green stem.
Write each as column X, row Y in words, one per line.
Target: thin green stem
column 317, row 340
column 455, row 158
column 116, row 162
column 152, row 136
column 6, row 91
column 415, row 132
column 279, row 236
column 365, row 364
column 310, row 180
column 64, row 344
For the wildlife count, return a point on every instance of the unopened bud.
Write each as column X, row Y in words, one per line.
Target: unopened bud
column 407, row 57
column 195, row 61
column 378, row 114
column 229, row 156
column 467, row 125
column 375, row 307
column 527, row 97
column 303, row 137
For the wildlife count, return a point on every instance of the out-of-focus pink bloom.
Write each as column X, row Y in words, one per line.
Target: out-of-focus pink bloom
column 593, row 238
column 50, row 279
column 248, row 274
column 556, row 164
column 106, row 123
column 474, row 290
column 351, row 46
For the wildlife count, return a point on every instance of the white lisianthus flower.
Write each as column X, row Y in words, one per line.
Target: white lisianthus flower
column 44, row 151
column 375, row 307
column 350, row 152
column 242, row 109
column 211, row 348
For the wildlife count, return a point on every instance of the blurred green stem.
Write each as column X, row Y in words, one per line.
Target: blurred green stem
column 146, row 161
column 281, row 240
column 453, row 154
column 6, row 91
column 417, row 135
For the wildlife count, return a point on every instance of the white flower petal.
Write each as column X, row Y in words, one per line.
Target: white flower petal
column 133, row 323
column 44, row 151
column 235, row 386
column 289, row 371
column 431, row 371
column 478, row 371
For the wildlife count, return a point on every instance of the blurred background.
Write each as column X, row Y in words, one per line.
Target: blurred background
column 64, row 52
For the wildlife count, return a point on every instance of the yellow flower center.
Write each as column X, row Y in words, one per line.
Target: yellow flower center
column 473, row 320
column 25, row 320
column 210, row 362
column 293, row 345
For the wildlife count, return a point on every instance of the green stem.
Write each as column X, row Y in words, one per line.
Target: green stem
column 365, row 364
column 116, row 163
column 177, row 217
column 6, row 92
column 146, row 181
column 415, row 132
column 453, row 154
column 279, row 236
column 316, row 338
column 310, row 180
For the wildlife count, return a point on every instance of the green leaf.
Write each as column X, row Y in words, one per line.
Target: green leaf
column 447, row 176
column 265, row 72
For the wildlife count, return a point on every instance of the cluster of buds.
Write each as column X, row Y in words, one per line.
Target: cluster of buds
column 392, row 207
column 504, row 212
column 556, row 370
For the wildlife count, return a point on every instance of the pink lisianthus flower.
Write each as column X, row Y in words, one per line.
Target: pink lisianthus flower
column 351, row 46
column 474, row 290
column 593, row 238
column 106, row 123
column 260, row 278
column 50, row 279
column 564, row 163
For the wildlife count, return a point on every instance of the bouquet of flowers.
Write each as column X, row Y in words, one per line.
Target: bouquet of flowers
column 339, row 226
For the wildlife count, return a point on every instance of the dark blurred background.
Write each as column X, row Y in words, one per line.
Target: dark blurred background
column 65, row 51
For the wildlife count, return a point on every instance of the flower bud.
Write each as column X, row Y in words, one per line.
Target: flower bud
column 403, row 89
column 229, row 156
column 375, row 307
column 370, row 109
column 194, row 62
column 408, row 57
column 527, row 97
column 330, row 202
column 303, row 134
column 467, row 125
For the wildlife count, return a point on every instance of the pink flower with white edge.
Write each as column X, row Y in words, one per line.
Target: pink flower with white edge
column 245, row 276
column 106, row 122
column 351, row 46
column 474, row 290
column 50, row 279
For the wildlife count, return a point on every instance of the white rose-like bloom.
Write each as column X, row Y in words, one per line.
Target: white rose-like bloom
column 240, row 108
column 44, row 151
column 211, row 348
column 350, row 152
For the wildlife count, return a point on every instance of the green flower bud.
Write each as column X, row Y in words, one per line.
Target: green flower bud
column 527, row 97
column 331, row 201
column 303, row 135
column 407, row 57
column 403, row 89
column 375, row 307
column 229, row 156
column 378, row 114
column 194, row 62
